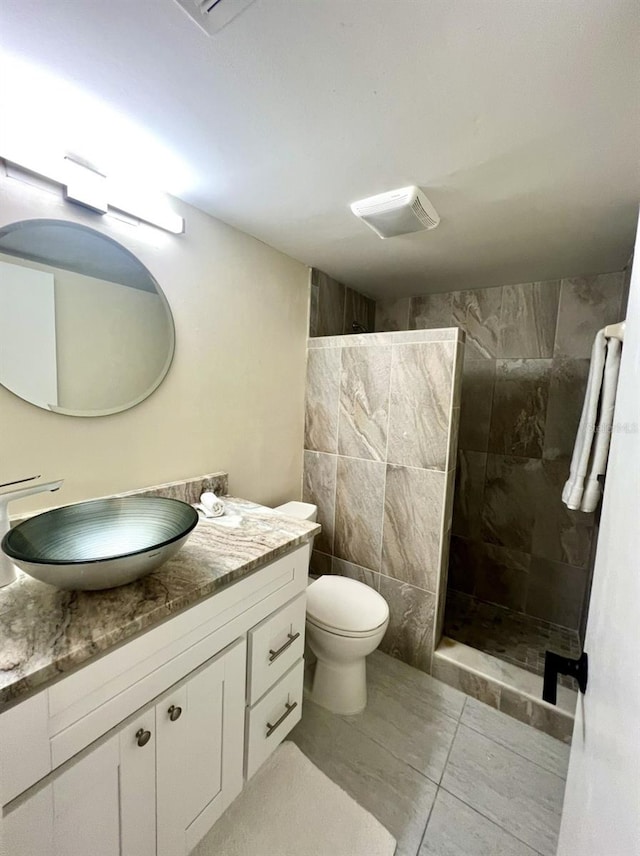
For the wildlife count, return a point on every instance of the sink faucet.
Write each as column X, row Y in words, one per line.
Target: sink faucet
column 7, row 568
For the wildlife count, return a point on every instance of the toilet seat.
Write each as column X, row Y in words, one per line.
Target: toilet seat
column 345, row 607
column 347, row 634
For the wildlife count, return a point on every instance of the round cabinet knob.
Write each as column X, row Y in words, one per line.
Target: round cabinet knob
column 174, row 712
column 142, row 737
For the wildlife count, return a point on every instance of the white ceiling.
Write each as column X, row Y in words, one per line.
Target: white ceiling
column 519, row 119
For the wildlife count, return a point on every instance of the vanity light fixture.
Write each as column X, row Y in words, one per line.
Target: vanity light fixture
column 84, row 185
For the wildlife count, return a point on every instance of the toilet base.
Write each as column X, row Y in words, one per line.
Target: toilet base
column 340, row 687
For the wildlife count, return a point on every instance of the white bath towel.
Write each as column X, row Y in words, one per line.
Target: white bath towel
column 583, row 490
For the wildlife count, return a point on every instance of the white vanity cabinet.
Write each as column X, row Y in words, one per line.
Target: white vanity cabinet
column 139, row 752
column 155, row 786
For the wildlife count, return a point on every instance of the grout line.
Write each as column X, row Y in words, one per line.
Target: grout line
column 495, row 823
column 444, row 768
column 476, row 730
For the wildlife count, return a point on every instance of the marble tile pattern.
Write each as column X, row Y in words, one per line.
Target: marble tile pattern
column 329, row 320
column 427, row 311
column 333, row 307
column 478, row 312
column 392, row 314
column 390, row 511
column 359, row 505
column 525, row 368
column 413, row 508
column 478, row 381
column 567, row 386
column 45, row 632
column 519, row 408
column 409, row 636
column 586, row 305
column 321, row 403
column 420, row 405
column 319, row 488
column 505, row 686
column 403, row 759
column 515, row 638
column 521, row 797
column 358, row 309
column 528, row 320
column 364, row 402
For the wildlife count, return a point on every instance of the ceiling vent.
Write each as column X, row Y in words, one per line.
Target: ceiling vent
column 398, row 212
column 212, row 15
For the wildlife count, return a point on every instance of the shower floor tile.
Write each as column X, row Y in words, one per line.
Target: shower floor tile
column 510, row 636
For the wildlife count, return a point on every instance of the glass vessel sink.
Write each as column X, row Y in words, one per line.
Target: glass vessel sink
column 100, row 544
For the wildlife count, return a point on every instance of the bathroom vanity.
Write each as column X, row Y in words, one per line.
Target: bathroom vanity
column 130, row 718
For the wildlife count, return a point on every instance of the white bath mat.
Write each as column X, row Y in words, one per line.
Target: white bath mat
column 290, row 808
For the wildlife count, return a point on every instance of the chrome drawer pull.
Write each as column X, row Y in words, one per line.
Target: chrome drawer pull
column 272, row 728
column 273, row 655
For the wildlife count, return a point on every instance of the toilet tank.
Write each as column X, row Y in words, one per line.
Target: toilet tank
column 301, row 510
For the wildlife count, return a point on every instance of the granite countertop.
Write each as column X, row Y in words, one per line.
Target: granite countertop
column 45, row 632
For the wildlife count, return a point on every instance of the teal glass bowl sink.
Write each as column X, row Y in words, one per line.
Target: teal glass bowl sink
column 100, row 544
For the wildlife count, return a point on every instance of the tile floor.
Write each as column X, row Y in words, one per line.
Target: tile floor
column 446, row 774
column 511, row 636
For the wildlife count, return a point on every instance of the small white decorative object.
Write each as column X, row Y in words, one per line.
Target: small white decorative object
column 213, row 506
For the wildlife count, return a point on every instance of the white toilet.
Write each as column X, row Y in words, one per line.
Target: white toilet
column 346, row 621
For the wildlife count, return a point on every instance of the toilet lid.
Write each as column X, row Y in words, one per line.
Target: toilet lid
column 345, row 604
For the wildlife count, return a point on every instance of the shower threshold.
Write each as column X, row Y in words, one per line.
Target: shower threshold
column 508, row 635
column 509, row 688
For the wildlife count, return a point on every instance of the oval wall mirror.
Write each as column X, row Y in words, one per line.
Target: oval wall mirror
column 85, row 330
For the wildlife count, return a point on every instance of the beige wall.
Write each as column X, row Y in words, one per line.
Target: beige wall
column 233, row 398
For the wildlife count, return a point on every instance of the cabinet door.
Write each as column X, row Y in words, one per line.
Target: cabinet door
column 137, row 749
column 101, row 805
column 77, row 814
column 199, row 751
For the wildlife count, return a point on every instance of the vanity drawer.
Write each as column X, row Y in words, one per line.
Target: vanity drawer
column 274, row 646
column 269, row 721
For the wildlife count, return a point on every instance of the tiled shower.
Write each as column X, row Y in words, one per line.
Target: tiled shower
column 520, row 564
column 519, row 573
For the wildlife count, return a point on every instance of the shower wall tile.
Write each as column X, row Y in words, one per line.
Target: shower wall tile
column 314, row 298
column 320, row 563
column 503, row 576
column 513, row 490
column 469, row 493
column 358, row 309
column 478, row 378
column 520, row 398
column 322, row 394
column 478, row 313
column 331, row 301
column 413, row 510
column 430, row 311
column 409, row 636
column 392, row 314
column 559, row 534
column 356, row 572
column 364, row 402
column 319, row 488
column 359, row 510
column 420, row 412
column 587, row 303
column 528, row 323
column 464, row 563
column 556, row 592
column 567, row 388
column 454, row 433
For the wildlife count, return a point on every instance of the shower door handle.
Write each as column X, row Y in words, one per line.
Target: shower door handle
column 554, row 665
